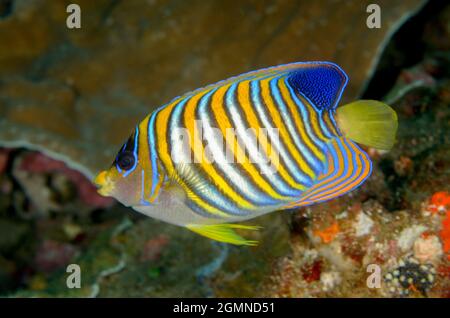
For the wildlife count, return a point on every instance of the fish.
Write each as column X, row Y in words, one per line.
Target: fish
column 268, row 140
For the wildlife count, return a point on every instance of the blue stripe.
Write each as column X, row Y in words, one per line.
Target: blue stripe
column 350, row 163
column 213, row 197
column 153, row 156
column 275, row 179
column 306, row 118
column 275, row 142
column 324, row 126
column 248, row 189
column 364, row 167
column 135, row 153
column 316, row 164
column 304, row 150
column 346, row 167
column 143, row 201
column 331, row 113
column 319, row 112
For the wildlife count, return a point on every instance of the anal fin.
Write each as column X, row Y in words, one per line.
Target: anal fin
column 347, row 168
column 224, row 232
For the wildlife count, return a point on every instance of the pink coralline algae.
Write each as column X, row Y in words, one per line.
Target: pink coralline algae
column 154, row 247
column 4, row 157
column 52, row 255
column 35, row 162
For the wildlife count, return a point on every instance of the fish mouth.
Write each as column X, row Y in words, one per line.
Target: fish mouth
column 103, row 183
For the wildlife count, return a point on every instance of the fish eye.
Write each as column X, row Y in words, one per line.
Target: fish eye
column 125, row 160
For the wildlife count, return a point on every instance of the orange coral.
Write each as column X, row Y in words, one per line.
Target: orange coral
column 329, row 233
column 440, row 201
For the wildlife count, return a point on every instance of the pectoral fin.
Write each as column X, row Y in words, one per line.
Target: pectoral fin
column 369, row 122
column 224, row 232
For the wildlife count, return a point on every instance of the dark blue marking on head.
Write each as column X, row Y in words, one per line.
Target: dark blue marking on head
column 322, row 83
column 127, row 158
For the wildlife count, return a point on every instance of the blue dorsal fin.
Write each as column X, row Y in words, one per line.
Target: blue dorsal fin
column 322, row 83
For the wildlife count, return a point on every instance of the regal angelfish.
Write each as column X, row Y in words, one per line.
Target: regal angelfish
column 264, row 141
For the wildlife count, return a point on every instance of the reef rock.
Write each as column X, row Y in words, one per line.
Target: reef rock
column 75, row 94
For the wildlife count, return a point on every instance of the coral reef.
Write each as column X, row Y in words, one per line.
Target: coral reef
column 398, row 220
column 410, row 276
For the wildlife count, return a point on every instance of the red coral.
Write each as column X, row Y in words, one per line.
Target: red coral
column 426, row 234
column 36, row 162
column 444, row 270
column 445, row 234
column 353, row 249
column 312, row 273
column 440, row 201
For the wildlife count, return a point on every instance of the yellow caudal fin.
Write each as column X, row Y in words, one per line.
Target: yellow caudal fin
column 224, row 232
column 368, row 122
